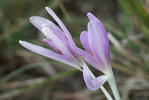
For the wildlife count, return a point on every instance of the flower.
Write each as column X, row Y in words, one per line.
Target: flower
column 64, row 48
column 57, row 38
column 96, row 44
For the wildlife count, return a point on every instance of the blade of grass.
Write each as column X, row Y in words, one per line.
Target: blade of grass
column 20, row 70
column 17, row 91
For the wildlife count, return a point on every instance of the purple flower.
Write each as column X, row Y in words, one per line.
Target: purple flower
column 57, row 38
column 65, row 49
column 96, row 44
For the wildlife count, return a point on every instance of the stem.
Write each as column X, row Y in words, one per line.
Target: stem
column 113, row 86
column 108, row 96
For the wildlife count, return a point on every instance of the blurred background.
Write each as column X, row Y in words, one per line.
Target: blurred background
column 25, row 75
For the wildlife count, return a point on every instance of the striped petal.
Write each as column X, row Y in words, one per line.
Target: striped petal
column 93, row 18
column 50, row 54
column 104, row 34
column 98, row 43
column 84, row 40
column 56, row 18
column 90, row 59
column 50, row 43
column 40, row 23
column 56, row 40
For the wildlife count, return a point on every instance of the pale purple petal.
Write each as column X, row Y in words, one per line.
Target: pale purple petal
column 93, row 18
column 48, row 53
column 50, row 43
column 76, row 55
column 56, row 18
column 93, row 83
column 90, row 59
column 98, row 43
column 84, row 40
column 57, row 42
column 40, row 23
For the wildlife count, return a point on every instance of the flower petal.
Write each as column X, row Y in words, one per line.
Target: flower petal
column 56, row 18
column 94, row 18
column 98, row 43
column 50, row 54
column 84, row 40
column 90, row 59
column 50, row 43
column 93, row 83
column 56, row 41
column 40, row 22
column 53, row 33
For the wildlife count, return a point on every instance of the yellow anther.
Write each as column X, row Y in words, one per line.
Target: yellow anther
column 90, row 53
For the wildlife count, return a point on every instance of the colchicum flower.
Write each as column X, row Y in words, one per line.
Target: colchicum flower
column 58, row 39
column 96, row 44
column 65, row 49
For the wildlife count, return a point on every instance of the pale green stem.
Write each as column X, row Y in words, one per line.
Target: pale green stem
column 108, row 96
column 113, row 85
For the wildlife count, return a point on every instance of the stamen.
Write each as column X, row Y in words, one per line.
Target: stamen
column 90, row 53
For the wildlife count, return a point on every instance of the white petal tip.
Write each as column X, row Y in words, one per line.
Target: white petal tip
column 89, row 14
column 20, row 41
column 47, row 8
column 31, row 18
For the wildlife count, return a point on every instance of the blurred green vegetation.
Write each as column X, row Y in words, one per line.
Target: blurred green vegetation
column 137, row 10
column 127, row 22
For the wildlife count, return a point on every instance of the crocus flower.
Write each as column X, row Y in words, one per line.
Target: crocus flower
column 64, row 47
column 96, row 53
